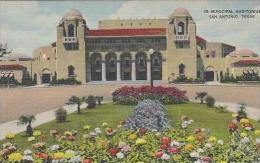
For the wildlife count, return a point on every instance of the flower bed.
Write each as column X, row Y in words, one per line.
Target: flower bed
column 166, row 95
column 106, row 144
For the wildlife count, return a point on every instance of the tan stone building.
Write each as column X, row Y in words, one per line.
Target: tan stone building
column 137, row 49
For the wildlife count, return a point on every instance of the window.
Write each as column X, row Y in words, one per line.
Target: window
column 156, row 61
column 112, row 62
column 141, row 24
column 150, row 23
column 181, row 69
column 141, row 61
column 127, row 62
column 131, row 24
column 182, row 44
column 71, row 30
column 122, row 24
column 71, row 71
column 181, row 28
column 97, row 62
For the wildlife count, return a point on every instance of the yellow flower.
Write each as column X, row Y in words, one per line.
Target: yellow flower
column 234, row 115
column 9, row 135
column 86, row 127
column 58, row 155
column 132, row 136
column 243, row 134
column 191, row 138
column 212, row 139
column 37, row 133
column 223, row 162
column 67, row 133
column 244, row 121
column 176, row 158
column 15, row 157
column 188, row 147
column 31, row 138
column 140, row 141
column 257, row 132
column 104, row 124
column 69, row 154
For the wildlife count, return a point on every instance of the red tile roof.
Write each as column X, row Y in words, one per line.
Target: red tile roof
column 127, row 32
column 248, row 62
column 199, row 39
column 14, row 66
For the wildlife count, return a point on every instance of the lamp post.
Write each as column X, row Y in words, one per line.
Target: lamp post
column 151, row 51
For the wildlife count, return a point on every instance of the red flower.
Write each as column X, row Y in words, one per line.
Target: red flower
column 158, row 154
column 42, row 156
column 141, row 131
column 113, row 151
column 109, row 130
column 174, row 150
column 165, row 140
column 71, row 138
column 164, row 146
column 232, row 127
column 87, row 160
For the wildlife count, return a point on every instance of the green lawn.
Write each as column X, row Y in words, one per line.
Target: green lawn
column 112, row 114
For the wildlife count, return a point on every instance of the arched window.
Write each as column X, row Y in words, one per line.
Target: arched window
column 181, row 69
column 98, row 62
column 141, row 61
column 112, row 62
column 156, row 61
column 180, row 28
column 71, row 30
column 71, row 71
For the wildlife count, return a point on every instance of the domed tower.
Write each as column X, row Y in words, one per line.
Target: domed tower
column 71, row 51
column 181, row 45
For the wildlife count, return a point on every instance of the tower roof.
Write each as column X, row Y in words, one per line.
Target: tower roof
column 180, row 11
column 71, row 15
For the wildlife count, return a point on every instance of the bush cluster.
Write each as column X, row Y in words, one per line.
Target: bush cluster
column 166, row 95
column 68, row 81
column 184, row 79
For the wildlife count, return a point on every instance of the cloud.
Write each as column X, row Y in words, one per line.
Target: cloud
column 24, row 27
column 243, row 33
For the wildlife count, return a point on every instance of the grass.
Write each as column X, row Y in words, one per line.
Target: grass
column 112, row 114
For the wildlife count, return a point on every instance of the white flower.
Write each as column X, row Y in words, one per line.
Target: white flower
column 198, row 161
column 175, row 143
column 55, row 147
column 154, row 130
column 194, row 154
column 27, row 152
column 208, row 145
column 27, row 158
column 120, row 155
column 98, row 130
column 200, row 150
column 165, row 157
column 245, row 140
column 221, row 142
column 75, row 159
column 257, row 140
column 104, row 124
column 93, row 134
column 248, row 128
column 184, row 125
column 203, row 129
column 158, row 134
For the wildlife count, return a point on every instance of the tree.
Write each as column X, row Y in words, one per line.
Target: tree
column 99, row 99
column 24, row 120
column 74, row 100
column 92, row 101
column 201, row 95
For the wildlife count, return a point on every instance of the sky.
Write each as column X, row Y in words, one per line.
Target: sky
column 26, row 25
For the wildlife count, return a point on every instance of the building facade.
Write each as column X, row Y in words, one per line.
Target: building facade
column 137, row 49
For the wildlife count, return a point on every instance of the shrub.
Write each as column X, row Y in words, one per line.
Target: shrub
column 61, row 115
column 221, row 109
column 210, row 101
column 201, row 96
column 99, row 99
column 28, row 81
column 75, row 100
column 91, row 100
column 166, row 95
column 68, row 81
column 27, row 120
column 149, row 115
column 241, row 113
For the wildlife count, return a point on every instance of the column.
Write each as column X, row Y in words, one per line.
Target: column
column 118, row 71
column 103, row 71
column 148, row 70
column 133, row 71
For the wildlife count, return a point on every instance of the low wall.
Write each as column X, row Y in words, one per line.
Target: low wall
column 226, row 93
column 15, row 102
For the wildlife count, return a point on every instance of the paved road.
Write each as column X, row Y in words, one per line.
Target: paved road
column 18, row 101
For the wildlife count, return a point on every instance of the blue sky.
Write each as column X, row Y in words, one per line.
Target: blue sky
column 30, row 24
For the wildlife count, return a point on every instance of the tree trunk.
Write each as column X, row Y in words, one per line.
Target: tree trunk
column 79, row 112
column 29, row 130
column 201, row 100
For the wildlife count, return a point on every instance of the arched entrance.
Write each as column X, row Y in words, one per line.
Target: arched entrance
column 46, row 76
column 156, row 63
column 111, row 66
column 96, row 67
column 209, row 74
column 141, row 68
column 126, row 68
